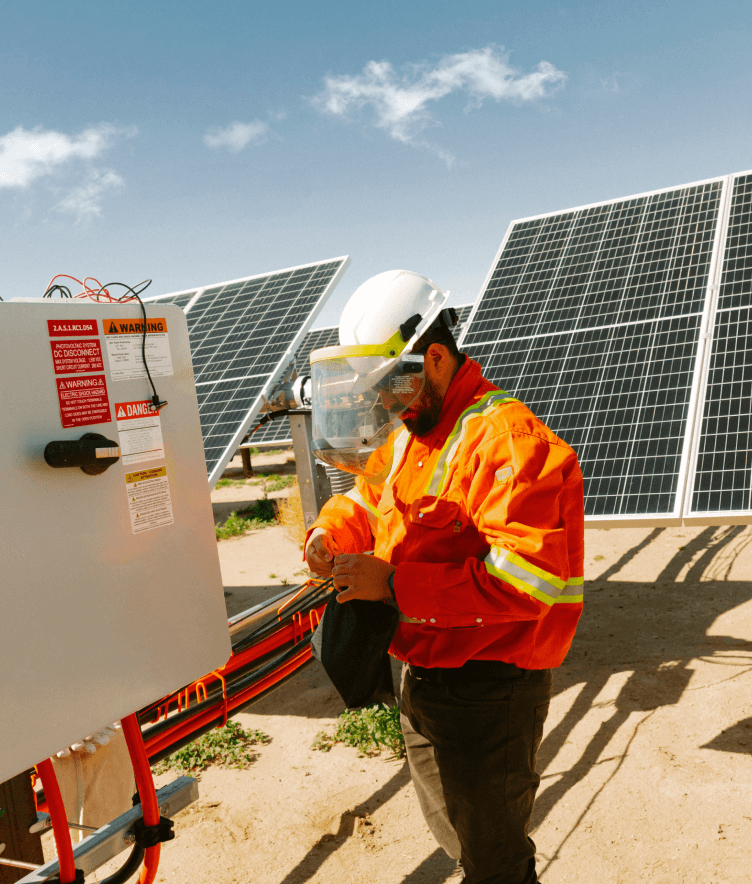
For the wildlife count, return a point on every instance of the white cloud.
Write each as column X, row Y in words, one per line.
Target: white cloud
column 28, row 154
column 237, row 135
column 84, row 201
column 400, row 101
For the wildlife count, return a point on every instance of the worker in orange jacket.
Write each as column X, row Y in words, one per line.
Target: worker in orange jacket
column 474, row 511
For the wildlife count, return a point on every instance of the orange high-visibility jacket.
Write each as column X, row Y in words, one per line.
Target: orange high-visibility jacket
column 483, row 518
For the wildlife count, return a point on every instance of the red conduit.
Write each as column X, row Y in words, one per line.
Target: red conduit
column 172, row 736
column 58, row 816
column 146, row 792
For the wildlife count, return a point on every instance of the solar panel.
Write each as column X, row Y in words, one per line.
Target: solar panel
column 598, row 318
column 277, row 432
column 243, row 334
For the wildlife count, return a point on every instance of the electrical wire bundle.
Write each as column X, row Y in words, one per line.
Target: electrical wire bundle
column 101, row 295
column 276, row 646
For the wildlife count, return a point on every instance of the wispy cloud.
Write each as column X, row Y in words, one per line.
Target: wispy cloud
column 400, row 101
column 85, row 201
column 29, row 154
column 237, row 135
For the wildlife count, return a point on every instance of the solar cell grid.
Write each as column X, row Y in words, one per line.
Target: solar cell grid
column 592, row 317
column 241, row 333
column 723, row 480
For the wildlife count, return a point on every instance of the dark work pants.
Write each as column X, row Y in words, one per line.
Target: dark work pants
column 471, row 749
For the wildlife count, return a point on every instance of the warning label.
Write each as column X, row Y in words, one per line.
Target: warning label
column 83, row 401
column 68, row 328
column 73, row 357
column 140, row 431
column 149, row 500
column 124, row 339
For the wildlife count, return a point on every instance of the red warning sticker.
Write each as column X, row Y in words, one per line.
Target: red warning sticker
column 74, row 357
column 83, row 401
column 67, row 328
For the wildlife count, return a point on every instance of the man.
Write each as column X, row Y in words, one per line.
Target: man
column 474, row 511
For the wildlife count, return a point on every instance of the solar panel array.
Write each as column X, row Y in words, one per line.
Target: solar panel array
column 599, row 318
column 243, row 334
column 277, row 432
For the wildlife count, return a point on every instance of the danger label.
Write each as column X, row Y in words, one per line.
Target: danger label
column 124, row 340
column 149, row 502
column 66, row 328
column 140, row 431
column 72, row 357
column 83, row 401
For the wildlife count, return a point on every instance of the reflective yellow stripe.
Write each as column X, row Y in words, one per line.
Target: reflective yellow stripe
column 371, row 512
column 482, row 407
column 528, row 578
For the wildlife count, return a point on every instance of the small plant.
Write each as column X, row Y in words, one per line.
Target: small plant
column 273, row 482
column 291, row 516
column 228, row 746
column 368, row 730
column 259, row 515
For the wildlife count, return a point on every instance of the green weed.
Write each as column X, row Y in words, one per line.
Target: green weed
column 368, row 730
column 274, row 482
column 228, row 746
column 259, row 515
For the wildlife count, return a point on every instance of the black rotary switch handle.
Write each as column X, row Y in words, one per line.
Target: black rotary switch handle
column 93, row 453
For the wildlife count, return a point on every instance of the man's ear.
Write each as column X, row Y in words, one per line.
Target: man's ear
column 437, row 355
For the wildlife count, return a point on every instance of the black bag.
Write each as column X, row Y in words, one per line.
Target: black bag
column 351, row 641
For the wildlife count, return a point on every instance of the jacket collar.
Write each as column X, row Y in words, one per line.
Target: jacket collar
column 466, row 384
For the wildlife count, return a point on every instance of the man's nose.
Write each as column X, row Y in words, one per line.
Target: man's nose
column 387, row 400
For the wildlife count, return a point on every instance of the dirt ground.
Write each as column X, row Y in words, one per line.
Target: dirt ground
column 645, row 763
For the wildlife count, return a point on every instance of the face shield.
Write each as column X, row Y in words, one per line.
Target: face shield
column 357, row 403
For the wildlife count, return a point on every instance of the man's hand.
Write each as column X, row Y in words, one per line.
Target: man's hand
column 361, row 577
column 320, row 552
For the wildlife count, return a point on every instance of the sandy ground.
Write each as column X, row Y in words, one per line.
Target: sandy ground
column 646, row 766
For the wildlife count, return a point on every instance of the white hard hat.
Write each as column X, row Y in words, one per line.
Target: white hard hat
column 378, row 308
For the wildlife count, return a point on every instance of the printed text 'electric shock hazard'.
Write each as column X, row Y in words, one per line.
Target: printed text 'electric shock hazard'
column 83, row 401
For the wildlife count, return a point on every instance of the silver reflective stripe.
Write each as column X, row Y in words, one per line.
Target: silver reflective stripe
column 402, row 437
column 532, row 580
column 482, row 406
column 372, row 514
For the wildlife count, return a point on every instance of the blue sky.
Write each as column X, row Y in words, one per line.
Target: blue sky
column 194, row 142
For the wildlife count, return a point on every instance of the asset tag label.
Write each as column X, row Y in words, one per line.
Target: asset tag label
column 140, row 431
column 75, row 357
column 149, row 502
column 67, row 328
column 124, row 341
column 83, row 401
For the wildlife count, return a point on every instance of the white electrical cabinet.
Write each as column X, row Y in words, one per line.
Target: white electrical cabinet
column 110, row 589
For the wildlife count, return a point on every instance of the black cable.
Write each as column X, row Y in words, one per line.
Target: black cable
column 129, row 867
column 135, row 292
column 65, row 292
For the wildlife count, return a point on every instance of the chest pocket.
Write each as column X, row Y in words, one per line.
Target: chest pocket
column 437, row 513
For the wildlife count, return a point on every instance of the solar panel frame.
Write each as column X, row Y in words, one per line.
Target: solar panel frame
column 230, row 385
column 706, row 330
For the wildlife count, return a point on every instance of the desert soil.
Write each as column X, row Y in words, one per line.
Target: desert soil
column 645, row 763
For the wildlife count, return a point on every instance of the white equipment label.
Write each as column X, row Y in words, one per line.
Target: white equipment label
column 149, row 501
column 140, row 432
column 124, row 340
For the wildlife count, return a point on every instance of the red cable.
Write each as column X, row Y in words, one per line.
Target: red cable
column 146, row 792
column 59, row 818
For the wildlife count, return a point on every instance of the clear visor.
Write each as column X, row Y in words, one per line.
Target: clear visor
column 357, row 405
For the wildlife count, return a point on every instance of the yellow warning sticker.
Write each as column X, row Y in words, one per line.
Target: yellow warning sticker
column 134, row 326
column 149, row 501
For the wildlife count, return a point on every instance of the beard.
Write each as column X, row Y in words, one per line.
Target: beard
column 427, row 410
